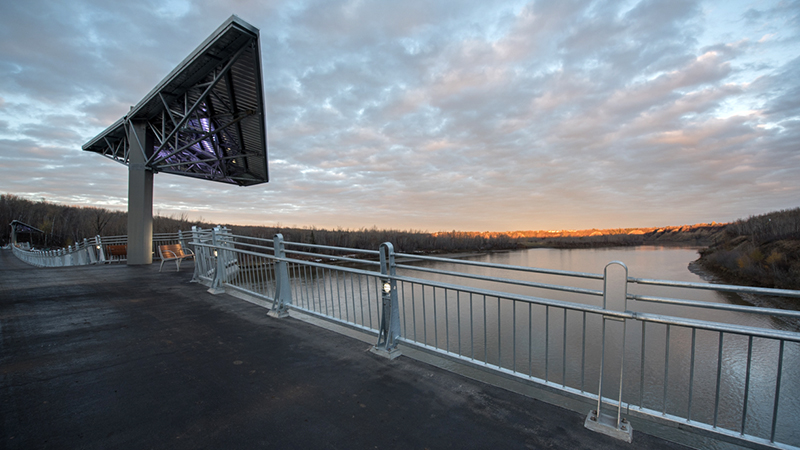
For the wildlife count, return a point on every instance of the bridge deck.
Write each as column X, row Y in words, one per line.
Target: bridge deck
column 126, row 357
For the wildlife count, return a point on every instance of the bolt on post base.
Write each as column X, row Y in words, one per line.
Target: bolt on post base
column 380, row 351
column 608, row 425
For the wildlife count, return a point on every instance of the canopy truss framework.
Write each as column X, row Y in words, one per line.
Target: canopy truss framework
column 206, row 117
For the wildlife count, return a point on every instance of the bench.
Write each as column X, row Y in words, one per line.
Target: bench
column 174, row 252
column 116, row 252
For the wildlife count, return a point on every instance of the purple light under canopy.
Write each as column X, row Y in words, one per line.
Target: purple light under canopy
column 206, row 118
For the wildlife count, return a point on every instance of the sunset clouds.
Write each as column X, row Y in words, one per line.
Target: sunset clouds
column 433, row 115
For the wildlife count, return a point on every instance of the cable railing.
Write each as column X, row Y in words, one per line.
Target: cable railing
column 634, row 354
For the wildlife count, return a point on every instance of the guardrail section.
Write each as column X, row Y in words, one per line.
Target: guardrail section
column 585, row 336
column 97, row 250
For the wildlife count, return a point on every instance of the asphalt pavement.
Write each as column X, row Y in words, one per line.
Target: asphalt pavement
column 118, row 357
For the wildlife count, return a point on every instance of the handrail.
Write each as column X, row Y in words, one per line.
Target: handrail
column 500, row 327
column 87, row 252
column 494, row 328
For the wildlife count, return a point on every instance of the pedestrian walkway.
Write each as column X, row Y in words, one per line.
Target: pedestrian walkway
column 118, row 357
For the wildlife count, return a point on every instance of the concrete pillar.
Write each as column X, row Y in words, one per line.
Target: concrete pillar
column 140, row 196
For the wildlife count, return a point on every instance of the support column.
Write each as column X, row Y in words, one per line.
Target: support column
column 140, row 196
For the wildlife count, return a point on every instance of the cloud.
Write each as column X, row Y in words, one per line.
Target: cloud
column 443, row 115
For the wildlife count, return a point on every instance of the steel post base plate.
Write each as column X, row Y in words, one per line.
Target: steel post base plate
column 391, row 354
column 278, row 314
column 608, row 425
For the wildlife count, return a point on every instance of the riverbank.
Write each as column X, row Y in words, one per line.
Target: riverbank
column 761, row 250
column 742, row 260
column 700, row 235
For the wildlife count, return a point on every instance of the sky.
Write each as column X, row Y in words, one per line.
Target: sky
column 431, row 116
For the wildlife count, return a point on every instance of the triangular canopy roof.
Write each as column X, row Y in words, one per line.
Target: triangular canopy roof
column 21, row 227
column 206, row 117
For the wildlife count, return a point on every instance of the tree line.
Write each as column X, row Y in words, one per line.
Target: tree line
column 64, row 225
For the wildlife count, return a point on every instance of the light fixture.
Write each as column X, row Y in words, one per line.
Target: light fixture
column 387, row 287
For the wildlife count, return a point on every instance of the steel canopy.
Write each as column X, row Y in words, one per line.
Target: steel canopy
column 206, row 119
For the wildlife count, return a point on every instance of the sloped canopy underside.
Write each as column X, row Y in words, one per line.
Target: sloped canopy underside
column 206, row 118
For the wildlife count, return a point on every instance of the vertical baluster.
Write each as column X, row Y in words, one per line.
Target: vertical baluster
column 424, row 317
column 547, row 343
column 691, row 376
column 471, row 329
column 378, row 301
column 666, row 369
column 405, row 311
column 321, row 291
column 564, row 353
column 330, row 286
column 485, row 340
column 414, row 312
column 777, row 392
column 344, row 288
column 446, row 323
column 719, row 375
column 458, row 313
column 530, row 339
column 641, row 369
column 514, row 335
column 246, row 272
column 583, row 352
column 747, row 381
column 307, row 279
column 499, row 358
column 240, row 280
column 259, row 277
column 435, row 320
column 369, row 300
column 352, row 296
column 361, row 303
column 339, row 294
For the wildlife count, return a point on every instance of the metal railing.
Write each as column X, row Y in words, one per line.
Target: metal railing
column 588, row 338
column 96, row 250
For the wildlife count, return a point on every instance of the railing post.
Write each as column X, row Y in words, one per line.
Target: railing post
column 219, row 272
column 101, row 252
column 614, row 426
column 390, row 310
column 283, row 290
column 182, row 239
column 90, row 251
column 200, row 255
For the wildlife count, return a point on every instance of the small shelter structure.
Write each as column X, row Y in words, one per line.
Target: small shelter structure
column 204, row 120
column 18, row 228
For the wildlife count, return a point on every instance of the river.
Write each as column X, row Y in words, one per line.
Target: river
column 678, row 379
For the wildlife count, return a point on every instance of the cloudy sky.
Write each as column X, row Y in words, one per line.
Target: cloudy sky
column 432, row 115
